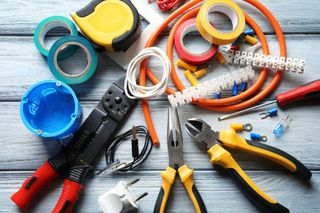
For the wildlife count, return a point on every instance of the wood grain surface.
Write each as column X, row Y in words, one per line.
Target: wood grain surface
column 21, row 153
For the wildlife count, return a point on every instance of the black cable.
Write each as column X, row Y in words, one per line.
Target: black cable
column 141, row 157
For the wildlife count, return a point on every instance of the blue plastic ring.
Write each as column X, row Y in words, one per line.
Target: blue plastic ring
column 48, row 24
column 59, row 46
column 51, row 109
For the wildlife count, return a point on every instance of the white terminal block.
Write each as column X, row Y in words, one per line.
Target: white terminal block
column 247, row 58
column 215, row 85
column 120, row 199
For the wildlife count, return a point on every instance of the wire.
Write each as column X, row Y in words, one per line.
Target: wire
column 132, row 89
column 165, row 5
column 253, row 94
column 143, row 155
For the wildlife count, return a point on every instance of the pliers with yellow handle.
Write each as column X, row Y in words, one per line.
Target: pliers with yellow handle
column 214, row 141
column 176, row 165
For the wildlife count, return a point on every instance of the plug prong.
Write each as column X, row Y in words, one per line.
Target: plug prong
column 141, row 196
column 133, row 181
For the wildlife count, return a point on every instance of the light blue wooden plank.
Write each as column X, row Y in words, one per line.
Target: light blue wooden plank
column 20, row 69
column 19, row 17
column 219, row 192
column 300, row 140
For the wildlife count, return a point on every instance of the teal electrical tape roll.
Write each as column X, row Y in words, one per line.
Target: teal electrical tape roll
column 51, row 23
column 59, row 46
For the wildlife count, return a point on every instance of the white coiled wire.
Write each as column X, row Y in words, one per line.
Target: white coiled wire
column 132, row 89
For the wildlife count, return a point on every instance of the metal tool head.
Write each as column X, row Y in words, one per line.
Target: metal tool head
column 174, row 140
column 201, row 132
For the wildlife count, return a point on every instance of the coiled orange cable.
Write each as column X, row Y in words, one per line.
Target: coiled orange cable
column 223, row 105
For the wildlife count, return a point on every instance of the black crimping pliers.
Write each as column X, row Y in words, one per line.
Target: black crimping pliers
column 75, row 160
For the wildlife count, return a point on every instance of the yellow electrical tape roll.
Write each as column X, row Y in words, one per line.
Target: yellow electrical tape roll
column 230, row 9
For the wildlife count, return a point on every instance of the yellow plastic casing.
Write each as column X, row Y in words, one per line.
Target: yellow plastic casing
column 232, row 140
column 236, row 126
column 184, row 65
column 168, row 178
column 110, row 20
column 193, row 81
column 200, row 73
column 220, row 156
column 185, row 174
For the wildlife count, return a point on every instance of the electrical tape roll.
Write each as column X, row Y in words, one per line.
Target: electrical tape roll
column 59, row 46
column 231, row 10
column 51, row 23
column 193, row 58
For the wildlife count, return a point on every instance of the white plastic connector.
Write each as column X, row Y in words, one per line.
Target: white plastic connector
column 120, row 199
column 215, row 85
column 247, row 58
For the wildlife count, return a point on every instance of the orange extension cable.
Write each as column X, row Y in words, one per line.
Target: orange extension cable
column 223, row 105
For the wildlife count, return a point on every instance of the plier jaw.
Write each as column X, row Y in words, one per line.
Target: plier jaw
column 201, row 132
column 174, row 139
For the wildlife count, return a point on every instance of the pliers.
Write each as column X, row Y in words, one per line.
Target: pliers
column 177, row 165
column 74, row 161
column 214, row 141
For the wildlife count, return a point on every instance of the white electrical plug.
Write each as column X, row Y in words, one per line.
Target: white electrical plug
column 120, row 199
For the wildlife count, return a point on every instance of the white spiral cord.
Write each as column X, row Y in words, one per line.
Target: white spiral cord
column 132, row 89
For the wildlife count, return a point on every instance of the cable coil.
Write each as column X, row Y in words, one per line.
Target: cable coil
column 245, row 99
column 132, row 89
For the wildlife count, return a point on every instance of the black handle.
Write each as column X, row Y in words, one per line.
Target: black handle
column 301, row 170
column 254, row 197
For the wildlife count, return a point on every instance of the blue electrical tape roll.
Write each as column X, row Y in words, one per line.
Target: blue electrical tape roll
column 50, row 109
column 59, row 46
column 51, row 23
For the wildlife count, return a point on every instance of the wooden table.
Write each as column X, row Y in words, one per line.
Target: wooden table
column 21, row 153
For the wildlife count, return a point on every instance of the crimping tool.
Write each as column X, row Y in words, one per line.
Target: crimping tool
column 75, row 160
column 202, row 133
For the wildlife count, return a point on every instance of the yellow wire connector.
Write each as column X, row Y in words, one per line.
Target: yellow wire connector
column 193, row 81
column 200, row 73
column 184, row 65
column 251, row 39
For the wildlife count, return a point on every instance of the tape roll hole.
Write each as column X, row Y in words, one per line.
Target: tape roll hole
column 188, row 38
column 51, row 32
column 223, row 18
column 77, row 64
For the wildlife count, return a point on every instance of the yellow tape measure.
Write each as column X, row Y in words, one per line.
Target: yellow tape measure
column 113, row 24
column 230, row 9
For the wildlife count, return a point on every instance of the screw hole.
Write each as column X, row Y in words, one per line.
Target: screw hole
column 110, row 106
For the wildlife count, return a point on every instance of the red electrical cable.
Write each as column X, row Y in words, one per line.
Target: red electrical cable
column 165, row 5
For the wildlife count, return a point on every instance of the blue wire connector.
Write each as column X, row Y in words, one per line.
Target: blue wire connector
column 235, row 89
column 258, row 137
column 270, row 113
column 244, row 86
